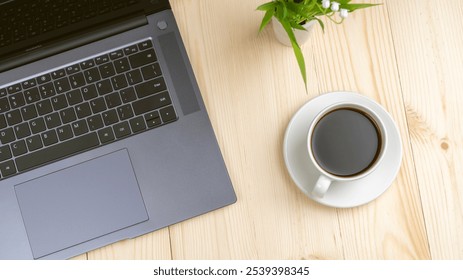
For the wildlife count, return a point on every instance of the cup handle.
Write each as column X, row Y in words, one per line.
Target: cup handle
column 321, row 186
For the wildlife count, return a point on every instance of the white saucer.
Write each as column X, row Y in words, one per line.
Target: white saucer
column 340, row 194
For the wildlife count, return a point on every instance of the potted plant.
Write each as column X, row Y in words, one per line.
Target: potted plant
column 298, row 16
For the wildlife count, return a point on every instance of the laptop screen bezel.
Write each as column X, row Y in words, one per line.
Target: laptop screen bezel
column 51, row 38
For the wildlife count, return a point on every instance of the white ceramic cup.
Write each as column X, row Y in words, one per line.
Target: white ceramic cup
column 325, row 178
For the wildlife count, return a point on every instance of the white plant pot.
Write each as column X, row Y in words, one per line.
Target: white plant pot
column 302, row 36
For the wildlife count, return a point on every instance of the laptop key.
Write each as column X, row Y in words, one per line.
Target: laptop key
column 150, row 87
column 7, row 168
column 137, row 124
column 44, row 107
column 116, row 54
column 145, row 45
column 14, row 88
column 64, row 132
column 89, row 92
column 151, row 103
column 104, row 87
column 58, row 74
column 5, row 153
column 106, row 134
column 17, row 100
column 72, row 69
column 29, row 112
column 152, row 115
column 168, row 114
column 121, row 65
column 102, row 59
column 13, row 117
column 4, row 105
column 22, row 130
column 107, row 70
column 77, row 80
column 57, row 151
column 83, row 110
column 29, row 83
column 32, row 95
column 74, row 97
column 113, row 100
column 110, row 117
column 68, row 115
column 19, row 148
column 7, row 135
column 122, row 129
column 43, row 79
column 142, row 58
column 3, row 92
column 62, row 85
column 59, row 102
column 95, row 122
column 92, row 75
column 79, row 127
column 3, row 123
column 151, row 71
column 154, row 122
column 87, row 64
column 47, row 90
column 34, row 143
column 98, row 105
column 128, row 95
column 119, row 82
column 37, row 125
column 49, row 137
column 52, row 120
column 130, row 49
column 134, row 77
column 125, row 112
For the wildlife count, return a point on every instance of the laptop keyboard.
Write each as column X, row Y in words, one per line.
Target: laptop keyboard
column 82, row 106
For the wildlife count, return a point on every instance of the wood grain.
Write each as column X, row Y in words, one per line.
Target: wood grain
column 359, row 56
column 428, row 42
column 406, row 55
column 272, row 219
column 252, row 87
column 155, row 245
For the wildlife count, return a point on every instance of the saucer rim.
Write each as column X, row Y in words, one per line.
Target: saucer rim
column 392, row 126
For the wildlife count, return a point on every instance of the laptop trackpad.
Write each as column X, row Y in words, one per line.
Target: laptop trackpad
column 80, row 203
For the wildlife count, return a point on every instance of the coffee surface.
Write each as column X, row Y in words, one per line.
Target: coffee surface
column 345, row 142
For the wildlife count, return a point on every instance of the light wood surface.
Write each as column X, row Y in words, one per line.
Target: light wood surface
column 406, row 55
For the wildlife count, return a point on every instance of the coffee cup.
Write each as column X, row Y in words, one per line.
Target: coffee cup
column 346, row 141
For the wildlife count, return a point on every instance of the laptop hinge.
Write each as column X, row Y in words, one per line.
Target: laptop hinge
column 76, row 40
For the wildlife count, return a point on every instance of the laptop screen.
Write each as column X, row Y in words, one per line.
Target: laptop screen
column 27, row 26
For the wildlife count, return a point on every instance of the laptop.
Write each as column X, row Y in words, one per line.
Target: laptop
column 104, row 134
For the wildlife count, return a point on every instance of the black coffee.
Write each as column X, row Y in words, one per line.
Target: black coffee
column 346, row 142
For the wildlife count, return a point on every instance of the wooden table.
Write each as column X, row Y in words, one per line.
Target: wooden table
column 406, row 55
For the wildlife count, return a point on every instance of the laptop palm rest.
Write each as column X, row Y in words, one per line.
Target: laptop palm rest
column 80, row 203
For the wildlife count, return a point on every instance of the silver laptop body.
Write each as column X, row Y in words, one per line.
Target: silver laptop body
column 104, row 134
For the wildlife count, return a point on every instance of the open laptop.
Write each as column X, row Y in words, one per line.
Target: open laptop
column 104, row 134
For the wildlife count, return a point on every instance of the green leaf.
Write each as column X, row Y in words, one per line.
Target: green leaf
column 266, row 6
column 321, row 24
column 297, row 26
column 267, row 17
column 295, row 8
column 279, row 10
column 285, row 9
column 297, row 50
column 311, row 5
